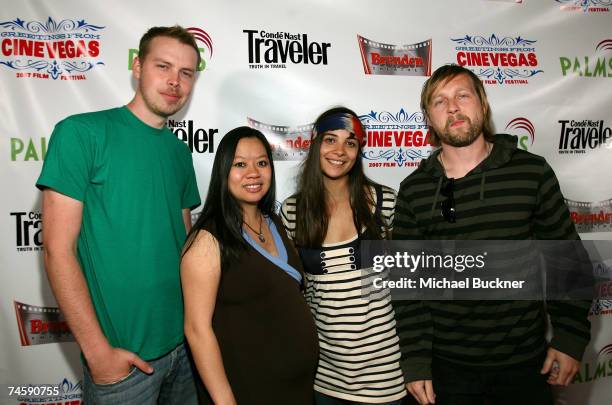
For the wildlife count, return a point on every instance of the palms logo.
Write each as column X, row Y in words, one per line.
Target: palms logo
column 525, row 131
column 202, row 36
column 605, row 45
column 605, row 350
column 598, row 65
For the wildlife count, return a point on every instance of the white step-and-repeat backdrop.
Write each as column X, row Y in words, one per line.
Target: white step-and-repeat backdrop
column 275, row 65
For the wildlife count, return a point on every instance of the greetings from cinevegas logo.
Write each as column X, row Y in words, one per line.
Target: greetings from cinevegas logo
column 597, row 66
column 586, row 6
column 278, row 49
column 288, row 143
column 602, row 304
column 395, row 139
column 200, row 36
column 498, row 60
column 524, row 130
column 387, row 59
column 591, row 216
column 40, row 325
column 581, row 136
column 601, row 307
column 65, row 49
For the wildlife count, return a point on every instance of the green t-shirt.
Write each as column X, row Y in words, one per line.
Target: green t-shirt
column 133, row 180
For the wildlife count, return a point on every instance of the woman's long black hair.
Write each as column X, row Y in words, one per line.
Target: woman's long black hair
column 312, row 217
column 222, row 214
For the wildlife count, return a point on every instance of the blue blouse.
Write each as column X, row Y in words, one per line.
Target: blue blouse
column 282, row 258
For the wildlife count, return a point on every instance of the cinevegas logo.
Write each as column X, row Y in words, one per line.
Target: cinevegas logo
column 524, row 130
column 64, row 49
column 579, row 136
column 583, row 67
column 591, row 216
column 601, row 307
column 602, row 302
column 41, row 325
column 274, row 50
column 498, row 60
column 288, row 143
column 387, row 59
column 395, row 139
column 200, row 36
column 586, row 6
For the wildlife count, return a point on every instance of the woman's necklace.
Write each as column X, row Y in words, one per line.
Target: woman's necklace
column 260, row 234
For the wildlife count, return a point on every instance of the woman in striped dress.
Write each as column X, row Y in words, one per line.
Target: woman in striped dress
column 335, row 207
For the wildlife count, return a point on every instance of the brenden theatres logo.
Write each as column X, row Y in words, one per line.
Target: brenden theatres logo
column 25, row 150
column 40, row 325
column 395, row 139
column 586, row 6
column 498, row 60
column 288, row 143
column 28, row 231
column 200, row 36
column 63, row 393
column 591, row 216
column 198, row 139
column 63, row 50
column 584, row 67
column 524, row 129
column 596, row 369
column 274, row 50
column 577, row 137
column 386, row 59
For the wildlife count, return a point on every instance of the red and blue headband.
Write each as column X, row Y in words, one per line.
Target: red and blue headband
column 340, row 121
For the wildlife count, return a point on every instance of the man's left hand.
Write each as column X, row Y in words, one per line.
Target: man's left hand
column 560, row 367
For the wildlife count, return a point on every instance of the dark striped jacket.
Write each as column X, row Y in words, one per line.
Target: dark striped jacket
column 512, row 194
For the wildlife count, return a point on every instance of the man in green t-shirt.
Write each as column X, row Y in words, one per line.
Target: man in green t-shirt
column 118, row 188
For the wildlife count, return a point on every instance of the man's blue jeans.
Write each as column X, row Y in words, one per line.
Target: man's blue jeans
column 172, row 382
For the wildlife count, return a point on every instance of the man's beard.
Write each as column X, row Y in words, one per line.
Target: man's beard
column 460, row 138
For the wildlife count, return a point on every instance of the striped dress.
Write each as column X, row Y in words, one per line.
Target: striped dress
column 359, row 348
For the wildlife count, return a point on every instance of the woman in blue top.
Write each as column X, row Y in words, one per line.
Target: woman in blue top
column 251, row 333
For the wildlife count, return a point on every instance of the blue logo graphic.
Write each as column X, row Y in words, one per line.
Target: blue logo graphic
column 400, row 138
column 498, row 59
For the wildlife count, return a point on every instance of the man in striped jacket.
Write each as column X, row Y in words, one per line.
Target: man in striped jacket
column 478, row 186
